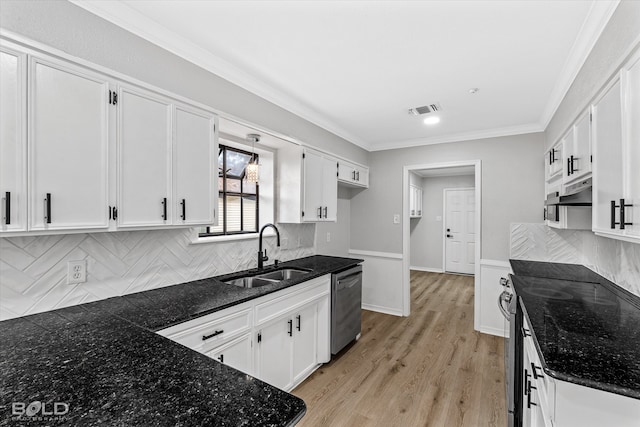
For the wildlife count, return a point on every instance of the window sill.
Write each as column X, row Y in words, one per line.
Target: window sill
column 197, row 240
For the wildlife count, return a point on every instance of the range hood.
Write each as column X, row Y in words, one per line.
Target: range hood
column 578, row 194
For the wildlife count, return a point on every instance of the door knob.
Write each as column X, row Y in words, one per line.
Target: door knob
column 448, row 230
column 449, row 235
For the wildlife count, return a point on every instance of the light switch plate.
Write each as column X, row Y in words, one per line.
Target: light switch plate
column 396, row 218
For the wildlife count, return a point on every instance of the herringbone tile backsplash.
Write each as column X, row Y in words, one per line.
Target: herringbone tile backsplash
column 33, row 269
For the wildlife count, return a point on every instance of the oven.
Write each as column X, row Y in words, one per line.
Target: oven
column 508, row 305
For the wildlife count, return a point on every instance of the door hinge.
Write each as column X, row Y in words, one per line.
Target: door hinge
column 259, row 337
column 113, row 97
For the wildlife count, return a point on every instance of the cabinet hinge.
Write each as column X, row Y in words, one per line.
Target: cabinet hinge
column 259, row 337
column 113, row 97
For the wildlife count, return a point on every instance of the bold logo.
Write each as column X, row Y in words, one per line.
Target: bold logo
column 40, row 411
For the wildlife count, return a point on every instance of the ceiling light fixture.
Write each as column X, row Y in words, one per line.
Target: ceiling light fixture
column 473, row 90
column 251, row 172
column 432, row 120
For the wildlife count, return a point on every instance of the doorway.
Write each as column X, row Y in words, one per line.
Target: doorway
column 473, row 167
column 460, row 230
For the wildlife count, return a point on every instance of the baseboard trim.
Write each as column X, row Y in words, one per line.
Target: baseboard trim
column 492, row 331
column 384, row 310
column 427, row 269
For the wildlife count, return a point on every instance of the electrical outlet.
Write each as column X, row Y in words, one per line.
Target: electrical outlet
column 328, row 237
column 76, row 272
column 396, row 218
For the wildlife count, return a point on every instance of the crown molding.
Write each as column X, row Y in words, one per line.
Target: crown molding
column 596, row 21
column 136, row 23
column 459, row 137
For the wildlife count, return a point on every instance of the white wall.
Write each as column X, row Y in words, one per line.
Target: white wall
column 426, row 233
column 512, row 190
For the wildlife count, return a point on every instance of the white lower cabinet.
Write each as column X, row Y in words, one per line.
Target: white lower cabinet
column 280, row 338
column 236, row 353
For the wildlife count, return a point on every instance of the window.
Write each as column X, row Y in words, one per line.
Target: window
column 238, row 199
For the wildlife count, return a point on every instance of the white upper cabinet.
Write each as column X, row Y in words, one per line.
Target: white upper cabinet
column 308, row 186
column 13, row 143
column 68, row 147
column 320, row 187
column 144, row 158
column 415, row 201
column 553, row 162
column 577, row 150
column 616, row 159
column 352, row 175
column 196, row 174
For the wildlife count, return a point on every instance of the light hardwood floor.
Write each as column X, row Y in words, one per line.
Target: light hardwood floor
column 428, row 369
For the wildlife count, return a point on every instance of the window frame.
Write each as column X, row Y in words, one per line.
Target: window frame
column 222, row 149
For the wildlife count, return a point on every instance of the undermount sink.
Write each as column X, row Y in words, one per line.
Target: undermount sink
column 250, row 282
column 284, row 274
column 267, row 278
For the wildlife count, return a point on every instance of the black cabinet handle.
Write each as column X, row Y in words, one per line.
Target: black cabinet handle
column 164, row 208
column 613, row 214
column 47, row 208
column 526, row 332
column 325, row 212
column 534, row 371
column 358, row 176
column 550, row 161
column 290, row 327
column 214, row 334
column 353, row 175
column 573, row 168
column 221, row 358
column 115, row 213
column 298, row 319
column 526, row 380
column 184, row 210
column 568, row 166
column 529, row 402
column 553, row 155
column 623, row 222
column 7, row 208
column 320, row 212
column 449, row 235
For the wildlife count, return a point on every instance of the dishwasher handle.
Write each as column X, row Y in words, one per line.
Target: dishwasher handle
column 349, row 281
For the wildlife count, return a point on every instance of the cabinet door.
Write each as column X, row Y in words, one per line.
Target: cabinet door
column 196, row 169
column 607, row 158
column 68, row 147
column 568, row 151
column 632, row 154
column 412, row 201
column 582, row 147
column 346, row 172
column 329, row 190
column 418, row 202
column 313, row 177
column 144, row 159
column 236, row 353
column 556, row 160
column 305, row 343
column 363, row 176
column 13, row 146
column 274, row 353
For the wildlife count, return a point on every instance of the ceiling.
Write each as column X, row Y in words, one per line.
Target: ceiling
column 356, row 67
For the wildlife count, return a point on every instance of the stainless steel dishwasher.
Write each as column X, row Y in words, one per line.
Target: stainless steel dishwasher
column 346, row 307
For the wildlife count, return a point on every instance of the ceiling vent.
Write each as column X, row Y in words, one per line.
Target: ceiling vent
column 426, row 109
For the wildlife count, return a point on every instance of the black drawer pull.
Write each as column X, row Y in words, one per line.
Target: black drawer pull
column 184, row 210
column 221, row 358
column 290, row 327
column 214, row 334
column 164, row 208
column 47, row 207
column 526, row 332
column 7, row 208
column 534, row 371
column 298, row 319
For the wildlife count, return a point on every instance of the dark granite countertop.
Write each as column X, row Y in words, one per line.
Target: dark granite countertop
column 104, row 360
column 586, row 328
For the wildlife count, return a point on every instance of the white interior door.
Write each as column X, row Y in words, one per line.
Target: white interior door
column 460, row 230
